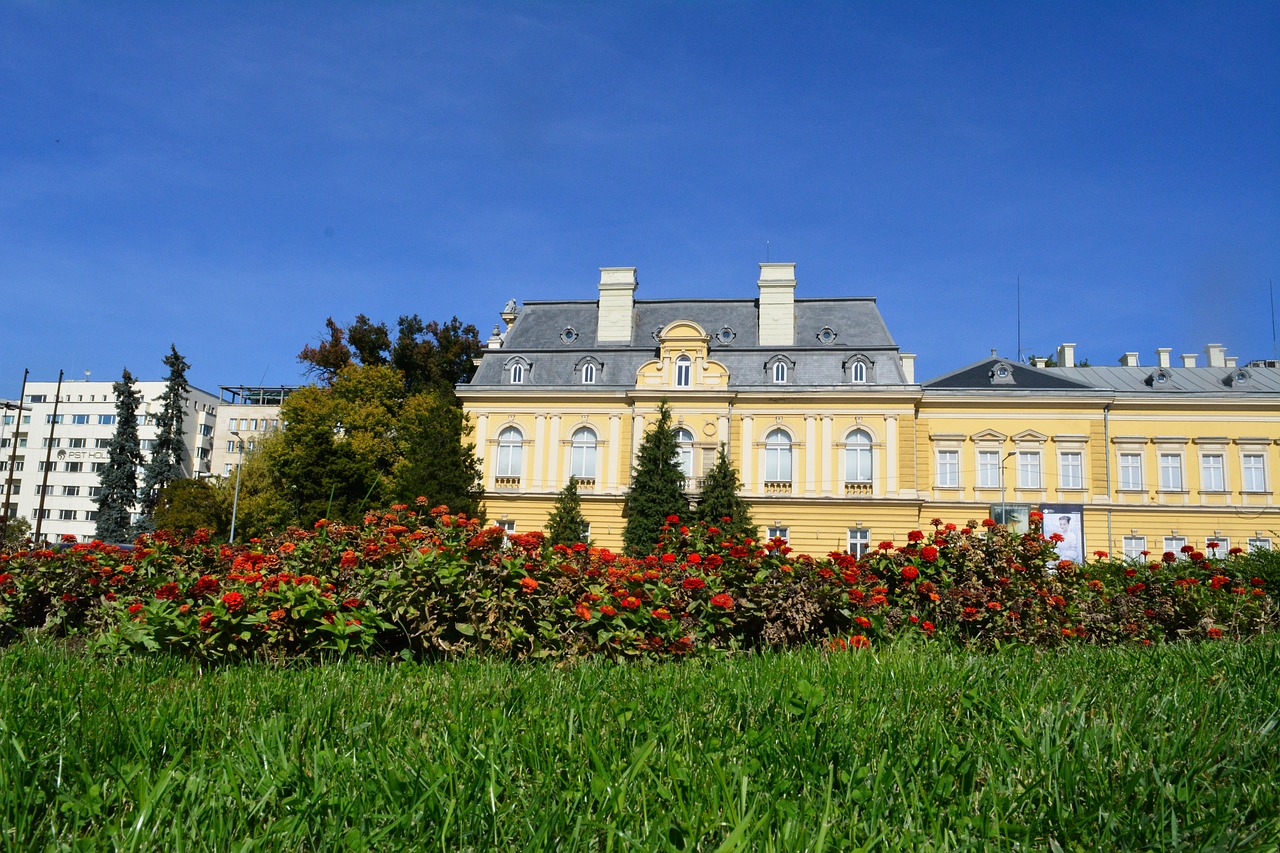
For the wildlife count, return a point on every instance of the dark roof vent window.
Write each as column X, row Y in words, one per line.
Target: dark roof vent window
column 726, row 335
column 1160, row 379
column 569, row 335
column 1001, row 374
column 827, row 336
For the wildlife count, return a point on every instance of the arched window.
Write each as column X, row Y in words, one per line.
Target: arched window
column 582, row 454
column 684, row 372
column 510, row 452
column 857, row 457
column 777, row 457
column 779, row 372
column 588, row 374
column 859, row 373
column 684, row 441
column 517, row 374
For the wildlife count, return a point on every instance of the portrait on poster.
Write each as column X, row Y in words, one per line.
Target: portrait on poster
column 1014, row 516
column 1067, row 521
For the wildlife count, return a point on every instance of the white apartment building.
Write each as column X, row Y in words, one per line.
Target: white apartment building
column 246, row 413
column 55, row 448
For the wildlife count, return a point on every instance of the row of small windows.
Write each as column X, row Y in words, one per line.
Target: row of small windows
column 518, row 371
column 1135, row 546
column 990, row 471
column 778, row 454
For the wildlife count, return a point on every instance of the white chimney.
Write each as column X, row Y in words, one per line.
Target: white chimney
column 908, row 366
column 1162, row 356
column 777, row 305
column 1188, row 359
column 1216, row 354
column 1067, row 355
column 1231, row 360
column 1129, row 359
column 617, row 301
column 1040, row 362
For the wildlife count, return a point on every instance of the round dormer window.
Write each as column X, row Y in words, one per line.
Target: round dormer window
column 725, row 335
column 827, row 336
column 1162, row 377
column 569, row 335
column 1002, row 372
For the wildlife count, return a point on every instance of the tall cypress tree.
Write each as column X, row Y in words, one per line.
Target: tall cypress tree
column 720, row 500
column 165, row 465
column 119, row 479
column 567, row 525
column 657, row 486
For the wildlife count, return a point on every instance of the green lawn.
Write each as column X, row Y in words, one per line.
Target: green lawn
column 1163, row 748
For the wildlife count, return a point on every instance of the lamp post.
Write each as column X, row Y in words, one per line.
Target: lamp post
column 1004, row 510
column 235, row 502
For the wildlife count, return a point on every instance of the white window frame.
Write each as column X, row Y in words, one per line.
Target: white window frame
column 1070, row 470
column 1175, row 544
column 517, row 374
column 582, row 454
column 859, row 541
column 588, row 374
column 684, row 445
column 1030, row 470
column 1253, row 477
column 947, row 468
column 859, row 457
column 778, row 533
column 684, row 371
column 510, row 457
column 1130, row 469
column 1133, row 546
column 778, row 457
column 1224, row 546
column 1213, row 472
column 1172, row 478
column 779, row 372
column 1259, row 543
column 858, row 373
column 988, row 469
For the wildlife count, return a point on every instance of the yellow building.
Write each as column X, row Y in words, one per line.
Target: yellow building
column 837, row 445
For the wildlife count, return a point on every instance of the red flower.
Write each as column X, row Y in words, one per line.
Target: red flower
column 693, row 583
column 723, row 600
column 927, row 627
column 1214, row 633
column 630, row 602
column 858, row 641
column 915, row 536
column 351, row 602
column 134, row 608
column 910, row 573
column 929, row 553
column 233, row 601
column 276, row 615
column 1101, row 555
column 1169, row 557
column 1035, row 515
column 583, row 611
column 206, row 620
column 608, row 610
column 862, row 622
column 528, row 584
column 167, row 592
column 661, row 613
column 673, row 519
column 349, row 560
column 988, row 522
column 993, row 605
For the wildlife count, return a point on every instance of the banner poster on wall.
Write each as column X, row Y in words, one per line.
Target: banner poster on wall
column 1014, row 516
column 1066, row 520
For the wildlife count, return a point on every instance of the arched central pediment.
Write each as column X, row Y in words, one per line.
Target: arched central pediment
column 682, row 360
column 683, row 332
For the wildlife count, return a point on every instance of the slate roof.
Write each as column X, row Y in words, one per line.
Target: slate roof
column 538, row 337
column 1214, row 381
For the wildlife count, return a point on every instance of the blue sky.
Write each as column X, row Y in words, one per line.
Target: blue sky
column 224, row 176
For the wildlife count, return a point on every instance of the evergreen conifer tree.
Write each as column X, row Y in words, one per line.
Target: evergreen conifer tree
column 437, row 462
column 165, row 465
column 720, row 500
column 119, row 479
column 567, row 525
column 657, row 487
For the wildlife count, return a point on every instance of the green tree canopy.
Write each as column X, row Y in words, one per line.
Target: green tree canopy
column 720, row 499
column 566, row 524
column 119, row 480
column 657, row 486
column 434, row 458
column 429, row 355
column 187, row 505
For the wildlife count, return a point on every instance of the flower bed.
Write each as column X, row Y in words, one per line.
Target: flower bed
column 422, row 584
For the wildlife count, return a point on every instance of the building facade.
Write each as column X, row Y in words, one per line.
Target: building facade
column 836, row 443
column 247, row 414
column 53, row 449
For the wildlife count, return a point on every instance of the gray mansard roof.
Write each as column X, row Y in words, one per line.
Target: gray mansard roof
column 1203, row 381
column 553, row 356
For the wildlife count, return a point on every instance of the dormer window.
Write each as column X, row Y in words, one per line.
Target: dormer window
column 780, row 372
column 684, row 372
column 517, row 374
column 588, row 374
column 858, row 374
column 518, row 369
column 1001, row 374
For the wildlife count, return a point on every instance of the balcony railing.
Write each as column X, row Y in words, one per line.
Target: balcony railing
column 693, row 485
column 586, row 484
column 777, row 487
column 506, row 482
column 857, row 490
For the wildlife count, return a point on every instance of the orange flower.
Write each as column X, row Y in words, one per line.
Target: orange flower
column 859, row 641
column 528, row 584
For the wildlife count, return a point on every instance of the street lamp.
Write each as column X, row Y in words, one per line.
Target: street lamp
column 1004, row 510
column 235, row 502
